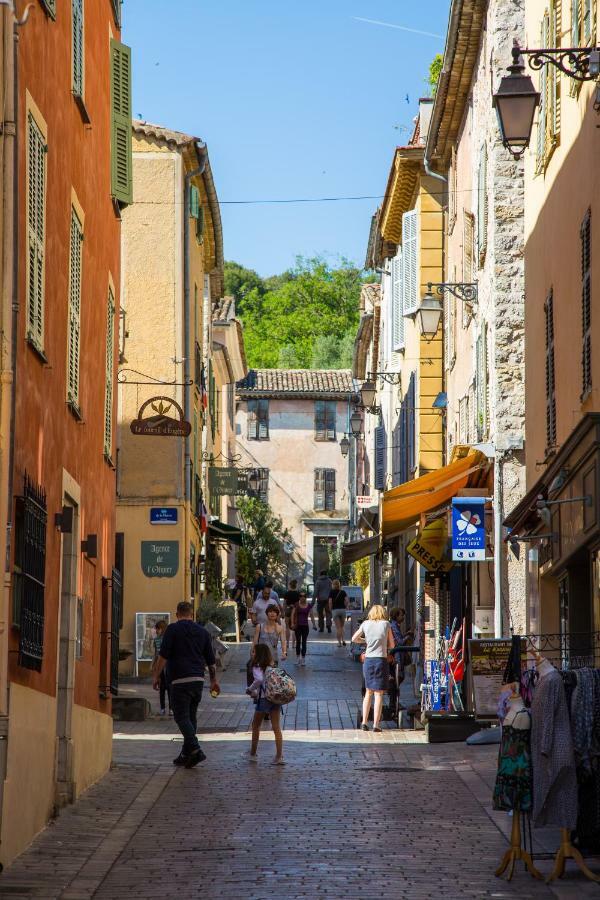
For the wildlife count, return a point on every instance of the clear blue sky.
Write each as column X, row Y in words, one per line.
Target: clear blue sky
column 294, row 99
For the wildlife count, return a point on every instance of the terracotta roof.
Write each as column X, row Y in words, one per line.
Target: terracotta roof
column 140, row 126
column 223, row 310
column 300, row 382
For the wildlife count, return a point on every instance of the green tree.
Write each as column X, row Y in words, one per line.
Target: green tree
column 435, row 69
column 361, row 572
column 333, row 352
column 264, row 535
column 240, row 282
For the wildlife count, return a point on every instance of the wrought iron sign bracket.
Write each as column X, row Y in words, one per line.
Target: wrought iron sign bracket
column 122, row 378
column 580, row 63
column 466, row 291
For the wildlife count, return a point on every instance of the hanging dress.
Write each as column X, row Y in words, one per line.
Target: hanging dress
column 513, row 788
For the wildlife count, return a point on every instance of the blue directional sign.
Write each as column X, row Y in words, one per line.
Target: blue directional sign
column 163, row 515
column 468, row 529
column 436, row 687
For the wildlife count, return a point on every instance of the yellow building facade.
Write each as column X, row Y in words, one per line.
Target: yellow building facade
column 173, row 265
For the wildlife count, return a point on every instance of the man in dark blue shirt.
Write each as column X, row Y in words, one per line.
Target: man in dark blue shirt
column 186, row 650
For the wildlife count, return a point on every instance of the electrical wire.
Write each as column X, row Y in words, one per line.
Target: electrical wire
column 301, row 200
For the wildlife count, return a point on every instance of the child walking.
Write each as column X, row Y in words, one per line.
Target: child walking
column 300, row 614
column 165, row 693
column 262, row 659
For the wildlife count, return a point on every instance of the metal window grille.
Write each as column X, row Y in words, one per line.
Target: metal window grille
column 325, row 489
column 36, row 231
column 550, row 380
column 258, row 420
column 325, row 411
column 29, row 573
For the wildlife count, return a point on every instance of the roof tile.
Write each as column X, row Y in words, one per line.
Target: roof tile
column 336, row 382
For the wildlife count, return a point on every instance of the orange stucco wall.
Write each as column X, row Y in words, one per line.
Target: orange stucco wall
column 48, row 438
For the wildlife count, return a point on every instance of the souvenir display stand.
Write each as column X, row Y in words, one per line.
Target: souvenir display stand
column 549, row 758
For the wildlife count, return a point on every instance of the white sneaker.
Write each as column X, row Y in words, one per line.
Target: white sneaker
column 163, row 712
column 303, row 663
column 251, row 757
column 278, row 761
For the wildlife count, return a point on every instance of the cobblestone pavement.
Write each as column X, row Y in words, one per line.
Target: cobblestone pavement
column 352, row 814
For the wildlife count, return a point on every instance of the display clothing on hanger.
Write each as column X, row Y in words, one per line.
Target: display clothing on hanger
column 554, row 777
column 513, row 788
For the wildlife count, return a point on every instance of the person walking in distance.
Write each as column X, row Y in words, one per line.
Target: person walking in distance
column 323, row 587
column 186, row 650
column 163, row 687
column 262, row 659
column 300, row 614
column 258, row 613
column 291, row 597
column 376, row 633
column 338, row 604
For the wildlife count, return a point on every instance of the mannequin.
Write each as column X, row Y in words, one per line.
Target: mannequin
column 542, row 665
column 516, row 708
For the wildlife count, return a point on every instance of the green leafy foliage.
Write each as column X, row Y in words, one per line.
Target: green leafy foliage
column 435, row 69
column 264, row 535
column 361, row 572
column 305, row 318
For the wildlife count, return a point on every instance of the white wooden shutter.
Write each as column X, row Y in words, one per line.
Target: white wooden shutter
column 74, row 336
column 77, row 46
column 36, row 232
column 108, row 392
column 543, row 107
column 410, row 254
column 482, row 205
column 397, row 303
column 379, row 435
column 319, row 500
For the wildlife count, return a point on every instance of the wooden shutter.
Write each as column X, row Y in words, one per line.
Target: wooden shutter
column 482, row 205
column 330, row 411
column 586, row 304
column 320, row 431
column 252, row 420
column 36, row 232
column 108, row 392
column 263, row 491
column 329, row 489
column 411, row 427
column 116, row 5
column 263, row 420
column 550, row 380
column 120, row 94
column 194, row 201
column 410, row 261
column 397, row 303
column 554, row 39
column 319, row 489
column 543, row 107
column 588, row 20
column 482, row 385
column 74, row 336
column 77, row 46
column 379, row 435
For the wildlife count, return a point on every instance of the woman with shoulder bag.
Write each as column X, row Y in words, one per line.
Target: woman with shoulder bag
column 376, row 633
column 272, row 634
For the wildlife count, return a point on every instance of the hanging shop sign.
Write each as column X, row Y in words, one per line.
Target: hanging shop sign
column 160, row 560
column 227, row 481
column 163, row 515
column 164, row 418
column 430, row 547
column 488, row 664
column 145, row 632
column 468, row 529
column 365, row 500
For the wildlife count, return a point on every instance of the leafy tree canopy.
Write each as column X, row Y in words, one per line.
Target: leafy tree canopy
column 435, row 69
column 305, row 318
column 264, row 535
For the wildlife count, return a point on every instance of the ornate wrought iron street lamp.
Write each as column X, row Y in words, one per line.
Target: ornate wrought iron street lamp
column 345, row 445
column 356, row 422
column 430, row 311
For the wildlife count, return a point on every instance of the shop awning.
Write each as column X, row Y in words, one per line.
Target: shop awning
column 355, row 550
column 220, row 531
column 403, row 505
column 369, row 518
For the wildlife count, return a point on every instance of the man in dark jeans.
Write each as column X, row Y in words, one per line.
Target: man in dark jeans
column 186, row 649
column 323, row 587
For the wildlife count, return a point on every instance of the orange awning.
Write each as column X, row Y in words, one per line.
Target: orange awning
column 403, row 505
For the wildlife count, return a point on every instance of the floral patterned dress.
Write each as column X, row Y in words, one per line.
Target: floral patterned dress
column 513, row 788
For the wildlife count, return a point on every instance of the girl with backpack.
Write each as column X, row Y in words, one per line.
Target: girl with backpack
column 262, row 660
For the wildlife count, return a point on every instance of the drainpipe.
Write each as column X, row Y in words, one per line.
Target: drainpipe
column 187, row 390
column 498, row 545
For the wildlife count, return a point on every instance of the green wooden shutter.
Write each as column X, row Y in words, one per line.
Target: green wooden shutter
column 200, row 225
column 108, row 393
column 120, row 95
column 329, row 489
column 36, row 232
column 74, row 336
column 330, row 412
column 77, row 47
column 194, row 201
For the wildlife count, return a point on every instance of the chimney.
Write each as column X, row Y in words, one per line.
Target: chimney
column 425, row 110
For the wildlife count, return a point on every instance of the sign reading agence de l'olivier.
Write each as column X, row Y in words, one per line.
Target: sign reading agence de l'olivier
column 160, row 559
column 161, row 424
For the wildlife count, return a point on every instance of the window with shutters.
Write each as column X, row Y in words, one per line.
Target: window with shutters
column 397, row 303
column 116, row 8
column 586, row 304
column 325, row 489
column 550, row 380
column 197, row 212
column 36, row 232
column 549, row 109
column 213, row 401
column 583, row 29
column 452, row 186
column 262, row 491
column 74, row 333
column 469, row 266
column 463, row 420
column 258, row 420
column 49, row 7
column 482, row 382
column 77, row 46
column 325, row 412
column 380, row 448
column 120, row 98
column 108, row 391
column 410, row 275
column 482, row 206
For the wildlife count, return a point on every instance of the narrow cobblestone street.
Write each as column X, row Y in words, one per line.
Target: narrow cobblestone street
column 351, row 815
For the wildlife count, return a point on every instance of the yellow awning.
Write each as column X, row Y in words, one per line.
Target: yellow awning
column 403, row 505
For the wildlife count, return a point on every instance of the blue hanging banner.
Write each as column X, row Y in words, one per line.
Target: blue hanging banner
column 436, row 687
column 468, row 529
